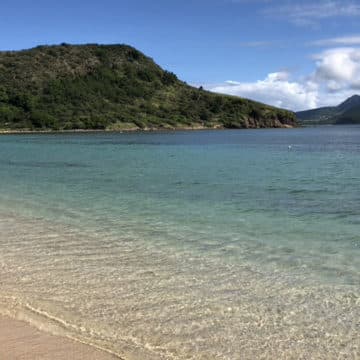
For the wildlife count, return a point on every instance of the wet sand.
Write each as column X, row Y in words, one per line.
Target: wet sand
column 20, row 341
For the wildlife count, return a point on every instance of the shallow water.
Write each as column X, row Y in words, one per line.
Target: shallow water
column 186, row 245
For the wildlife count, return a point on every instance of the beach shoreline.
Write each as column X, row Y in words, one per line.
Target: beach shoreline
column 130, row 130
column 20, row 340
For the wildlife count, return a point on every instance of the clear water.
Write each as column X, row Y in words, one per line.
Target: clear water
column 186, row 245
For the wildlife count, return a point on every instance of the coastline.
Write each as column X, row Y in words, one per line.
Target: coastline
column 130, row 130
column 21, row 341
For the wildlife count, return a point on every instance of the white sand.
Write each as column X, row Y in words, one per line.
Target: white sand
column 20, row 341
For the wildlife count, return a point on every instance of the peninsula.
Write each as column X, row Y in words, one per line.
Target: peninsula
column 113, row 87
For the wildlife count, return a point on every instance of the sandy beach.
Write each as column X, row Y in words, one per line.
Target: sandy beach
column 20, row 341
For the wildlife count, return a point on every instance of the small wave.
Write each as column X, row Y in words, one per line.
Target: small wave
column 58, row 323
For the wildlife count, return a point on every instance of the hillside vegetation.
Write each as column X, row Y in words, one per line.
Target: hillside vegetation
column 348, row 112
column 113, row 87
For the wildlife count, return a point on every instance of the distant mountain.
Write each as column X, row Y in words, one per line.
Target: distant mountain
column 349, row 103
column 348, row 112
column 114, row 87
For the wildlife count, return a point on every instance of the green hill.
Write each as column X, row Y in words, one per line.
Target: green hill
column 113, row 87
column 351, row 116
column 348, row 112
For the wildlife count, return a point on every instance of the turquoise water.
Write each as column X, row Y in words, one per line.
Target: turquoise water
column 169, row 240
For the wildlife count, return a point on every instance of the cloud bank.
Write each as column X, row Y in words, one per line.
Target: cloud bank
column 336, row 77
column 276, row 89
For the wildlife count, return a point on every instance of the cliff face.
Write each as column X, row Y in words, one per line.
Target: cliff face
column 113, row 87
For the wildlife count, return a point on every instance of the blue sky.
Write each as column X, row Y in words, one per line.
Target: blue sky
column 294, row 54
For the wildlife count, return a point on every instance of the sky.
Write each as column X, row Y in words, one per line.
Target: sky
column 293, row 54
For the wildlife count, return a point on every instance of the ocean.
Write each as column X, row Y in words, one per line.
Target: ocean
column 228, row 244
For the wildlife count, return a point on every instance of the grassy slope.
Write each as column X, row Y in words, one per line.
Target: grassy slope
column 113, row 87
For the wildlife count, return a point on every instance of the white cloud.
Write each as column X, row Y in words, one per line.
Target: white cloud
column 336, row 77
column 338, row 68
column 338, row 41
column 275, row 89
